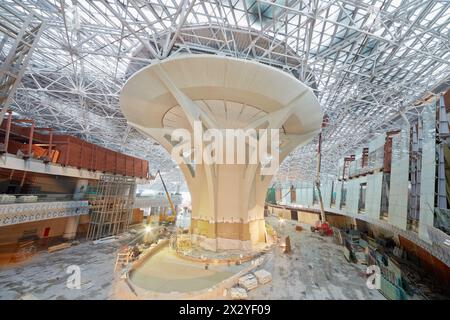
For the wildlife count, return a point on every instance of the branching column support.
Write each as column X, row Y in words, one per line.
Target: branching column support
column 317, row 182
column 319, row 162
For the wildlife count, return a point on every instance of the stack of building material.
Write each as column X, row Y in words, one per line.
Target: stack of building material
column 391, row 291
column 248, row 282
column 7, row 198
column 58, row 247
column 347, row 254
column 263, row 276
column 338, row 238
column 360, row 256
column 28, row 296
column 27, row 199
column 398, row 252
column 105, row 240
column 237, row 293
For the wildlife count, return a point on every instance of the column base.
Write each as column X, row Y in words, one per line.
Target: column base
column 70, row 232
column 221, row 243
column 227, row 235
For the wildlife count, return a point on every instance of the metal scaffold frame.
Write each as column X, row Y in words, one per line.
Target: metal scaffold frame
column 13, row 67
column 415, row 169
column 443, row 136
column 111, row 206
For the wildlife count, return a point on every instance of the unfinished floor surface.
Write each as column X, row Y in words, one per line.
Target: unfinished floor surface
column 316, row 269
column 45, row 275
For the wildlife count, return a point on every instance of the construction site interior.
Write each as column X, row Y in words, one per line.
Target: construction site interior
column 97, row 200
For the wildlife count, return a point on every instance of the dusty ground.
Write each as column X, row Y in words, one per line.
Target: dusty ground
column 316, row 269
column 45, row 275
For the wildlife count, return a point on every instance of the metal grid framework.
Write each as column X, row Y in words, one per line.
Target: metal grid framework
column 369, row 62
column 111, row 207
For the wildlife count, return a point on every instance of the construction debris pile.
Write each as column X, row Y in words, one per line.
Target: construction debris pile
column 250, row 282
column 400, row 278
column 263, row 276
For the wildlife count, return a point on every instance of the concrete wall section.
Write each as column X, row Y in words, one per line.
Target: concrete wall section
column 310, row 195
column 373, row 195
column 305, row 194
column 352, row 196
column 326, row 193
column 285, row 196
column 398, row 192
column 11, row 234
column 338, row 193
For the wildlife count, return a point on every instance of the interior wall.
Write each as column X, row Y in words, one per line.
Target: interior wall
column 338, row 186
column 304, row 194
column 12, row 234
column 373, row 195
column 353, row 195
column 83, row 225
column 326, row 193
column 10, row 181
column 286, row 196
column 431, row 264
column 398, row 192
column 339, row 221
column 137, row 216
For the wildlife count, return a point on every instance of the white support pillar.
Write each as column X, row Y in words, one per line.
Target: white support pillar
column 223, row 93
column 70, row 231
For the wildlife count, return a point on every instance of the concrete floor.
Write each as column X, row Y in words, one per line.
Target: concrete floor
column 316, row 269
column 45, row 277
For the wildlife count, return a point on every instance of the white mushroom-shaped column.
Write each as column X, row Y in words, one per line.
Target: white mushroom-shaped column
column 222, row 93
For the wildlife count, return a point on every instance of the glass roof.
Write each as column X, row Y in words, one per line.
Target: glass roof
column 369, row 62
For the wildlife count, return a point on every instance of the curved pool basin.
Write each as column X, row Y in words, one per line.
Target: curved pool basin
column 166, row 272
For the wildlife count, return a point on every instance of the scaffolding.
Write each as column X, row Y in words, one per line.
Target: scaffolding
column 22, row 43
column 415, row 172
column 385, row 186
column 443, row 135
column 441, row 210
column 111, row 206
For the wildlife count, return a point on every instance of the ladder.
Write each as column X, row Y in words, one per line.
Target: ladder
column 172, row 207
column 123, row 258
column 22, row 43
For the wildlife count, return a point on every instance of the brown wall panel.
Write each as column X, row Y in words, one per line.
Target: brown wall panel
column 111, row 165
column 100, row 159
column 74, row 152
column 121, row 166
column 137, row 167
column 430, row 263
column 86, row 155
column 129, row 164
column 144, row 168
